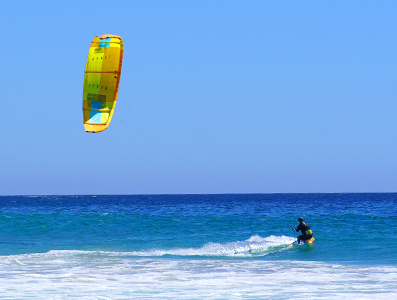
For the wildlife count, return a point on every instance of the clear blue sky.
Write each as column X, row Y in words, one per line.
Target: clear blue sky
column 215, row 97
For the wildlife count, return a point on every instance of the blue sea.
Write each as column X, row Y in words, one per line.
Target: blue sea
column 228, row 246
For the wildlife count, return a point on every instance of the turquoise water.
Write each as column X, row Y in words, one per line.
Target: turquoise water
column 179, row 246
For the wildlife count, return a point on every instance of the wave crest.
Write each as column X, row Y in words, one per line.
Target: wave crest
column 254, row 246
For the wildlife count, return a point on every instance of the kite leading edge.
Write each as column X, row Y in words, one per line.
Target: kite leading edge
column 101, row 81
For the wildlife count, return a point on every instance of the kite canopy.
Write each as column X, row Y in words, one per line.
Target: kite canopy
column 101, row 81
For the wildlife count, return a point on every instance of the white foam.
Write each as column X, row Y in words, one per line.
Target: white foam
column 213, row 271
column 90, row 275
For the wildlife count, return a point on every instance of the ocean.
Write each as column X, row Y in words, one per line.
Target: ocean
column 228, row 246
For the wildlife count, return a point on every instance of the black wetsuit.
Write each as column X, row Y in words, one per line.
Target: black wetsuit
column 307, row 234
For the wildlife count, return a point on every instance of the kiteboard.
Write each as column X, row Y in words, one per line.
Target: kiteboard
column 302, row 242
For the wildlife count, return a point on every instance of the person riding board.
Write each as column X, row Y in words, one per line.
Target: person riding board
column 307, row 234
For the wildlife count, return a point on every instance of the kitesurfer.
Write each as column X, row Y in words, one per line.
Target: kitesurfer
column 307, row 234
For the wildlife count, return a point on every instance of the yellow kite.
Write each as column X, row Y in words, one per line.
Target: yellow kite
column 101, row 81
